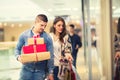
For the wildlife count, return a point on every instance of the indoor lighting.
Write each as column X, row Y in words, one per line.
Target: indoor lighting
column 12, row 25
column 75, row 9
column 0, row 24
column 20, row 25
column 5, row 24
column 49, row 10
column 114, row 7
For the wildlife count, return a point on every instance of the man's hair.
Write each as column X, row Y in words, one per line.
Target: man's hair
column 72, row 26
column 42, row 17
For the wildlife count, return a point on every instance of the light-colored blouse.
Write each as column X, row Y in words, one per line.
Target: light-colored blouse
column 57, row 50
column 58, row 47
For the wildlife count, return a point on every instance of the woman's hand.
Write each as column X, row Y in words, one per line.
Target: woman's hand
column 69, row 57
column 117, row 55
column 50, row 77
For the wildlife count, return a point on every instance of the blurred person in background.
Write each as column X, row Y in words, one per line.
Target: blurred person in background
column 36, row 70
column 93, row 37
column 75, row 41
column 117, row 41
column 117, row 52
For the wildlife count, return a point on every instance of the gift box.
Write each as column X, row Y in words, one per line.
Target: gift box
column 35, row 51
column 32, row 41
column 34, row 48
column 35, row 57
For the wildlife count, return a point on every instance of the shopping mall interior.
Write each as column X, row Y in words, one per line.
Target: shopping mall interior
column 93, row 62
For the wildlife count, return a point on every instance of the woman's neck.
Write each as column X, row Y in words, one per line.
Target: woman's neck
column 57, row 34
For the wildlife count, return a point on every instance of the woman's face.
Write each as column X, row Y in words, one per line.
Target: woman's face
column 58, row 27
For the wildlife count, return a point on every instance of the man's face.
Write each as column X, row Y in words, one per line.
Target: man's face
column 71, row 30
column 40, row 25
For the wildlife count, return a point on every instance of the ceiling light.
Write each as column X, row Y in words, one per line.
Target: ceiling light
column 113, row 7
column 12, row 25
column 20, row 25
column 5, row 24
column 77, row 21
column 0, row 24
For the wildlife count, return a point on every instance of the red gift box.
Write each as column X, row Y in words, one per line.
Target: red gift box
column 34, row 48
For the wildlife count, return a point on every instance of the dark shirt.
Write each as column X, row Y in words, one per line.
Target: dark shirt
column 75, row 40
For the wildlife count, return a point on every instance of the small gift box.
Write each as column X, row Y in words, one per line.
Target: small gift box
column 32, row 41
column 35, row 57
column 34, row 48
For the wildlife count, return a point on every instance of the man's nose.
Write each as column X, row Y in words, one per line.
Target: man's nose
column 43, row 27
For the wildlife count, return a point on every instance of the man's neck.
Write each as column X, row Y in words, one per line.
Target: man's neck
column 71, row 34
column 35, row 32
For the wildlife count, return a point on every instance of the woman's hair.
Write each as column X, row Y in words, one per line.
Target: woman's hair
column 118, row 26
column 63, row 33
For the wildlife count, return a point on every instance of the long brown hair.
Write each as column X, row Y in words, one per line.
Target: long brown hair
column 118, row 26
column 63, row 33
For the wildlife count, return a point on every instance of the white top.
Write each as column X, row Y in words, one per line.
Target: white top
column 57, row 50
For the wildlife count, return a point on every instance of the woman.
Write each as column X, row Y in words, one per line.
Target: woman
column 58, row 32
column 117, row 52
column 117, row 41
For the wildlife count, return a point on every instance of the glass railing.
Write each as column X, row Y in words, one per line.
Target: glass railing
column 9, row 66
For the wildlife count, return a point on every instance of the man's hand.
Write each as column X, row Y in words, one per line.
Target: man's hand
column 50, row 77
column 77, row 46
column 19, row 59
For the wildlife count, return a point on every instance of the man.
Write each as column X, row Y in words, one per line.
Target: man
column 75, row 41
column 36, row 70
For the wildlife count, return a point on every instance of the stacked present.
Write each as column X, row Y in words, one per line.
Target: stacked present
column 35, row 50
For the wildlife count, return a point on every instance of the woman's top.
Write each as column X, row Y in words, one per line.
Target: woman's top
column 58, row 46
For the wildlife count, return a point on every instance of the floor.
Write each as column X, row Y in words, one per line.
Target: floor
column 11, row 71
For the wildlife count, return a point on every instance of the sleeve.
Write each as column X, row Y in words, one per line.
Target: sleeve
column 79, row 41
column 19, row 45
column 115, row 38
column 50, row 63
column 67, row 45
column 115, row 41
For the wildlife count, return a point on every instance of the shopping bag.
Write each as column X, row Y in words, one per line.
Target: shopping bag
column 76, row 73
column 73, row 75
column 117, row 70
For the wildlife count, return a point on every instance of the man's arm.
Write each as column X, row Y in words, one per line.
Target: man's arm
column 79, row 43
column 19, row 45
column 50, row 63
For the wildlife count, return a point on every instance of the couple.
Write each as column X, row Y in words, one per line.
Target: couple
column 37, row 70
